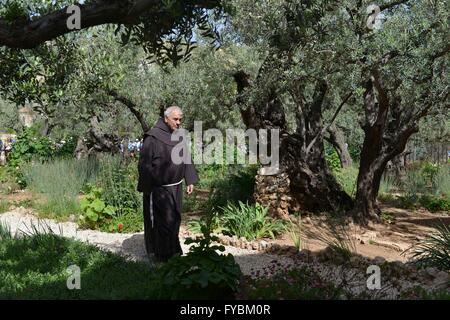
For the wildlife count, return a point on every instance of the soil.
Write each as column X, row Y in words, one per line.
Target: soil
column 391, row 239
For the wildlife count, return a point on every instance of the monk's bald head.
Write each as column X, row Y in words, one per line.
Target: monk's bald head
column 173, row 117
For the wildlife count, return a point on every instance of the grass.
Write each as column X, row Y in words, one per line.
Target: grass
column 387, row 184
column 57, row 208
column 441, row 182
column 118, row 181
column 346, row 177
column 4, row 206
column 414, row 183
column 434, row 250
column 5, row 232
column 60, row 181
column 295, row 232
column 7, row 181
column 337, row 239
column 249, row 221
column 35, row 267
column 132, row 222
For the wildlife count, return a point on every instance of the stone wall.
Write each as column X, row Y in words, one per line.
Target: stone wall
column 273, row 191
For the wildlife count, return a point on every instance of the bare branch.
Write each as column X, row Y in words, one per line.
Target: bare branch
column 27, row 34
column 322, row 132
column 132, row 107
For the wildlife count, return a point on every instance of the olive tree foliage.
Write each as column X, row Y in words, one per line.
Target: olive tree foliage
column 39, row 77
column 323, row 57
column 123, row 80
column 91, row 84
column 406, row 79
column 163, row 28
column 8, row 117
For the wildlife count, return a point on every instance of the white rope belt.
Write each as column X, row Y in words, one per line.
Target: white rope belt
column 151, row 197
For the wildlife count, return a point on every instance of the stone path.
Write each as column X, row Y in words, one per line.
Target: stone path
column 130, row 245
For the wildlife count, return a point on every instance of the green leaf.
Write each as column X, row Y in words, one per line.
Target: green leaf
column 91, row 215
column 109, row 210
column 98, row 205
column 84, row 204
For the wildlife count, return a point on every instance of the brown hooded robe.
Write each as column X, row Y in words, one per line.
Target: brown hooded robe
column 156, row 169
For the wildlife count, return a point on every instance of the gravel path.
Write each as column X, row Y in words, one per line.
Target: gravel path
column 130, row 245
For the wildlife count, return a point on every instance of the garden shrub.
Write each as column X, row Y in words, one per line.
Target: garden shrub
column 94, row 209
column 202, row 273
column 118, row 182
column 249, row 221
column 332, row 158
column 28, row 146
column 237, row 185
column 435, row 203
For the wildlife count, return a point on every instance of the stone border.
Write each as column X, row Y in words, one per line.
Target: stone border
column 263, row 246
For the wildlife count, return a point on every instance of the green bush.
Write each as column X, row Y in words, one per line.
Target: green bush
column 209, row 173
column 95, row 211
column 434, row 203
column 429, row 171
column 118, row 182
column 67, row 147
column 249, row 221
column 29, row 145
column 193, row 202
column 355, row 152
column 408, row 201
column 127, row 223
column 332, row 158
column 212, row 219
column 202, row 273
column 426, row 177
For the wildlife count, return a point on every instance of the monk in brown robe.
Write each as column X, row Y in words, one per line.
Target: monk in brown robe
column 160, row 180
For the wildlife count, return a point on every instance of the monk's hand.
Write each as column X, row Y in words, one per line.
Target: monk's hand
column 190, row 188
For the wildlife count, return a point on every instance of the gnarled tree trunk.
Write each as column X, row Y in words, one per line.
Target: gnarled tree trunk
column 383, row 141
column 302, row 153
column 337, row 139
